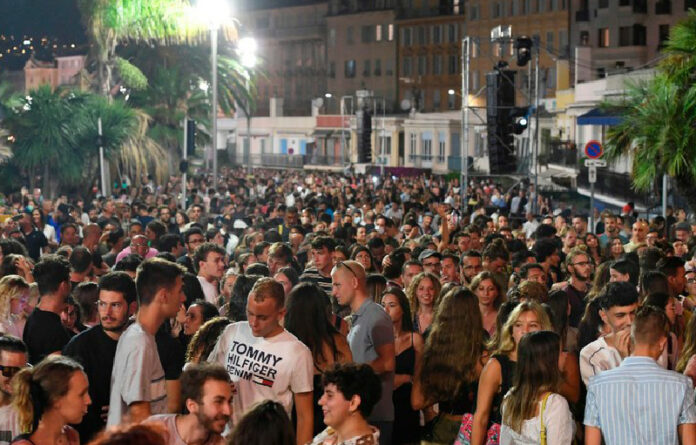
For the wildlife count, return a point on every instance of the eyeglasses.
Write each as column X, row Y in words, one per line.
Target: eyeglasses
column 581, row 263
column 10, row 371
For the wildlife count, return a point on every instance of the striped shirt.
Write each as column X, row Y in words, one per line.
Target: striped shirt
column 639, row 402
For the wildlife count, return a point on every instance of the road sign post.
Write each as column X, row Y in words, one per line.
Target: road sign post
column 593, row 151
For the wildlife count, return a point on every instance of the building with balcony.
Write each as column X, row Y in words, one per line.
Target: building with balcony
column 292, row 52
column 429, row 49
column 63, row 70
column 617, row 36
column 361, row 50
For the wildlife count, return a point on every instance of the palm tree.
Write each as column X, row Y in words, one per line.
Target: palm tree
column 658, row 129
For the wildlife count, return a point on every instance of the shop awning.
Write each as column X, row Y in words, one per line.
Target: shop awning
column 597, row 116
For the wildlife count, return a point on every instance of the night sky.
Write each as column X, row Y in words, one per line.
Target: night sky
column 39, row 18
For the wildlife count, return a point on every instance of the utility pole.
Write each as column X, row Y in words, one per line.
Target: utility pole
column 464, row 133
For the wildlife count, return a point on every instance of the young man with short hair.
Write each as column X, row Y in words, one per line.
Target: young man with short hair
column 618, row 302
column 95, row 348
column 265, row 361
column 371, row 338
column 322, row 262
column 471, row 265
column 138, row 387
column 410, row 269
column 210, row 261
column 449, row 272
column 639, row 402
column 44, row 333
column 579, row 266
column 207, row 393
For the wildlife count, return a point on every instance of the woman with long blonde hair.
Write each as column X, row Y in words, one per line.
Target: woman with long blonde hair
column 423, row 294
column 48, row 398
column 533, row 410
column 14, row 296
column 496, row 377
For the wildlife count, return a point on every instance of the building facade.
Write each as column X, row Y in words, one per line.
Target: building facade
column 361, row 51
column 292, row 53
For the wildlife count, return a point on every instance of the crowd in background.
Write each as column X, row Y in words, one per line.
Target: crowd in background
column 292, row 308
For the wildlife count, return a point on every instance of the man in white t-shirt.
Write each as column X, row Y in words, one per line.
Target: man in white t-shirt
column 267, row 362
column 209, row 258
column 137, row 378
column 207, row 394
column 618, row 302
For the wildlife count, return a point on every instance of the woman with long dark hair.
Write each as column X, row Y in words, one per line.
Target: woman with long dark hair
column 452, row 363
column 307, row 319
column 490, row 296
column 533, row 411
column 362, row 255
column 48, row 398
column 409, row 349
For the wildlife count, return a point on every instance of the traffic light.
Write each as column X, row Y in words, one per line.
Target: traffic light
column 519, row 119
column 500, row 115
column 523, row 46
column 364, row 121
column 190, row 137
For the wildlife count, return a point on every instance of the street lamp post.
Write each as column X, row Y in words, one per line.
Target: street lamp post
column 215, row 13
column 246, row 48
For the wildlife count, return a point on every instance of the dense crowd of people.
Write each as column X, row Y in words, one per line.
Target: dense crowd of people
column 318, row 308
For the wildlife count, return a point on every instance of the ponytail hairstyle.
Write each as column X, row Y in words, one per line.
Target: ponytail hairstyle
column 37, row 389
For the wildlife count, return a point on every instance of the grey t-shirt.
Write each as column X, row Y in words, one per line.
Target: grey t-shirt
column 137, row 375
column 168, row 421
column 372, row 328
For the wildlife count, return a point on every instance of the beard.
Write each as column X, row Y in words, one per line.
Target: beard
column 209, row 423
column 118, row 328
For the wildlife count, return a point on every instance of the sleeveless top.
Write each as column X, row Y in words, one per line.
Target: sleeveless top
column 507, row 370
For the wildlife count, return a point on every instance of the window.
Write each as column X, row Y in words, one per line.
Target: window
column 349, row 35
column 406, row 37
column 366, row 69
column 451, row 33
column 603, row 38
column 451, row 98
column 551, row 78
column 513, row 11
column 349, row 69
column 390, row 32
column 332, row 37
column 422, row 65
column 437, row 34
column 524, row 6
column 452, row 64
column 389, row 67
column 437, row 64
column 603, row 3
column 422, row 36
column 549, row 41
column 495, row 10
column 378, row 33
column 625, row 36
column 663, row 34
column 474, row 81
column 639, row 35
column 563, row 43
column 437, row 100
column 584, row 38
column 427, row 142
column 412, row 146
column 378, row 67
column 441, row 147
column 473, row 12
column 332, row 70
column 366, row 34
column 406, row 67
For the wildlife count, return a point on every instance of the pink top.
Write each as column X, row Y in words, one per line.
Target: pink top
column 152, row 252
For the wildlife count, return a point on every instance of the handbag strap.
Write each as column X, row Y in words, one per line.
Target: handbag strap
column 541, row 416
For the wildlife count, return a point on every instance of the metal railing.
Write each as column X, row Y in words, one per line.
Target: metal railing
column 563, row 154
column 267, row 160
column 316, row 159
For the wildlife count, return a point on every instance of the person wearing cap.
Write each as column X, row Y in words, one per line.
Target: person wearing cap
column 431, row 260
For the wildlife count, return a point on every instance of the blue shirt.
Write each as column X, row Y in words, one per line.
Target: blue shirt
column 639, row 403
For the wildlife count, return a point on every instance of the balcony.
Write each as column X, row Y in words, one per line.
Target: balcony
column 619, row 186
column 267, row 160
column 582, row 15
column 663, row 7
column 563, row 153
column 316, row 159
column 420, row 161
